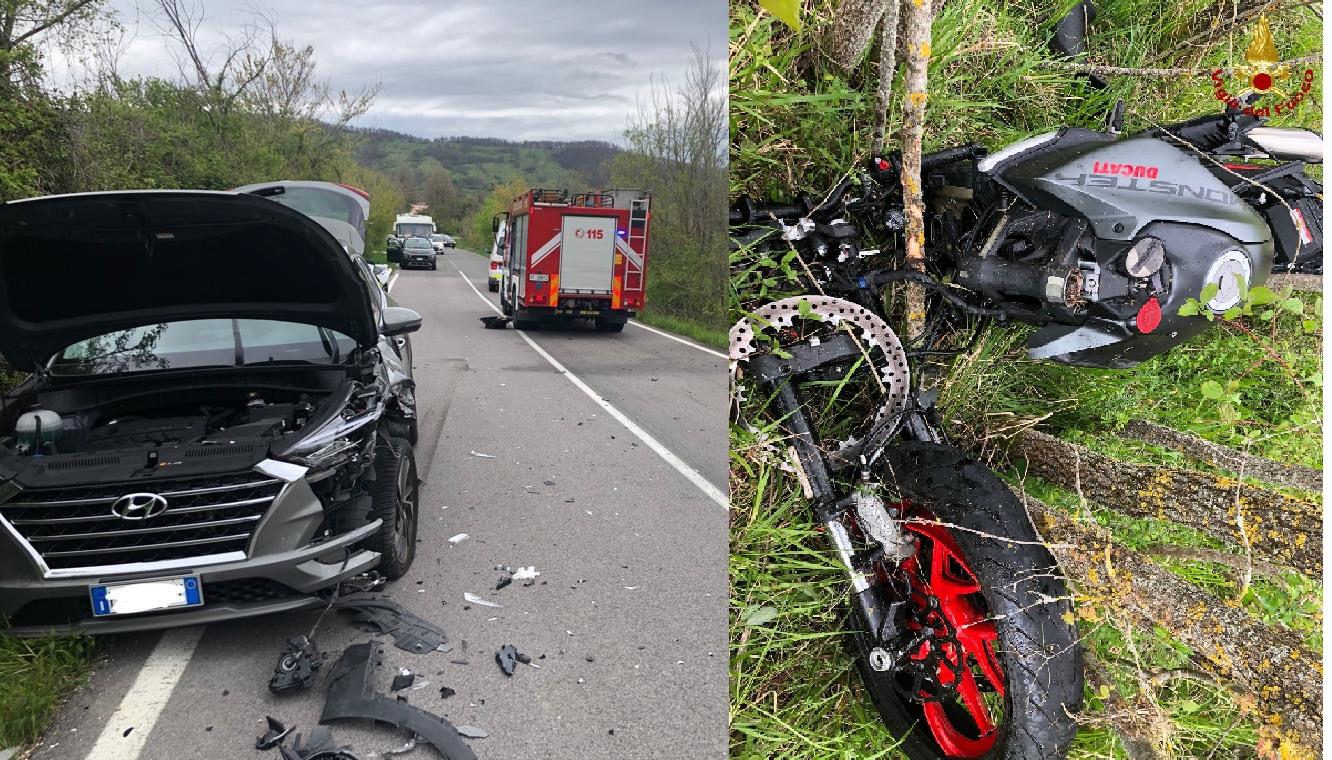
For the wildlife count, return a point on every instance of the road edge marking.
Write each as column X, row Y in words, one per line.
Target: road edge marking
column 147, row 697
column 680, row 466
column 678, row 339
column 388, row 288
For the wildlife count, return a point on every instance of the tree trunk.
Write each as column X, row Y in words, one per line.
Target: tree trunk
column 1272, row 672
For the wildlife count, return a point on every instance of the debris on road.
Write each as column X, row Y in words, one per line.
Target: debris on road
column 351, row 695
column 526, row 574
column 483, row 456
column 445, row 692
column 495, row 322
column 405, row 748
column 319, row 745
column 274, row 736
column 409, row 632
column 474, row 599
column 472, row 732
column 402, row 680
column 296, row 666
column 458, row 539
column 507, row 657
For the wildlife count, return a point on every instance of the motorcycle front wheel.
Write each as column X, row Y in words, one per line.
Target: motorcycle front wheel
column 999, row 674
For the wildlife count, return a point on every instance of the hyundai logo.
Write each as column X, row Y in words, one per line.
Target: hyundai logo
column 138, row 506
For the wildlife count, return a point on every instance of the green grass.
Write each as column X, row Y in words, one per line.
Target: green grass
column 35, row 675
column 708, row 336
column 797, row 125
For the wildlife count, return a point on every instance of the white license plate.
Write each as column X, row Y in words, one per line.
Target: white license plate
column 146, row 596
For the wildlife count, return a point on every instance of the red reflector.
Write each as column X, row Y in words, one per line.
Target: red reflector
column 1149, row 316
column 884, row 165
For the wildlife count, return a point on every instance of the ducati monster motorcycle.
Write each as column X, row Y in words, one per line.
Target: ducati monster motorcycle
column 962, row 620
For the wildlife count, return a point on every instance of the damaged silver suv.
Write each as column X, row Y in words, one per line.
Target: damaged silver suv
column 219, row 416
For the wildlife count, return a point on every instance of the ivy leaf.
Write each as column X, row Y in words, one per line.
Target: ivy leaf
column 1211, row 389
column 756, row 616
column 1189, row 308
column 786, row 10
column 1209, row 292
column 1293, row 305
column 1262, row 295
column 1232, row 312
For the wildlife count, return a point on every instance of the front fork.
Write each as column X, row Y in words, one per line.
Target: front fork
column 880, row 524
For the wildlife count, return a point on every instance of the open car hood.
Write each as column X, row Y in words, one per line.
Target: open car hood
column 76, row 266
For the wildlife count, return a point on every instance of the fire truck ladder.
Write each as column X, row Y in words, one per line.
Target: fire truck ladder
column 638, row 217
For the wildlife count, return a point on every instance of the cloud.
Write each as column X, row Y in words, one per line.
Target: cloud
column 516, row 69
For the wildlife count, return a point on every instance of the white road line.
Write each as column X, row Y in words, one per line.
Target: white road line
column 700, row 482
column 389, row 287
column 678, row 339
column 147, row 696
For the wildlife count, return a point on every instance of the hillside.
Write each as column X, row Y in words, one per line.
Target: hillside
column 477, row 165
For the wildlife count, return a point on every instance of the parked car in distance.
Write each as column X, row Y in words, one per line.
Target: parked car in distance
column 437, row 242
column 230, row 451
column 449, row 242
column 417, row 252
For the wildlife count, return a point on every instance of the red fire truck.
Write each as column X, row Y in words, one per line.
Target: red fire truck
column 581, row 256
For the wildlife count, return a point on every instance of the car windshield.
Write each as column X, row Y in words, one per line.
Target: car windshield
column 440, row 238
column 202, row 343
column 418, row 243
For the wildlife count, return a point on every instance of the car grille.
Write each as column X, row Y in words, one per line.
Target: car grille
column 75, row 527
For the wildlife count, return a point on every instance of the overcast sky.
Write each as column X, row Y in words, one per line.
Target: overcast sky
column 516, row 69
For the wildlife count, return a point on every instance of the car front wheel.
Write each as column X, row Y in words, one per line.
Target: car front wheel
column 395, row 498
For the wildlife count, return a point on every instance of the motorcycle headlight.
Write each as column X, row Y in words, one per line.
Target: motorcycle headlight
column 335, row 442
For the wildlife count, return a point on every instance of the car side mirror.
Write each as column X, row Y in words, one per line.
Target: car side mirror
column 400, row 320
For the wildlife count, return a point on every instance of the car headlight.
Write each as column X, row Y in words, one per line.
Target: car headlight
column 336, row 441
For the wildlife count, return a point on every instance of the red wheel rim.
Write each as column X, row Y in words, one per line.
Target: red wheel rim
column 964, row 726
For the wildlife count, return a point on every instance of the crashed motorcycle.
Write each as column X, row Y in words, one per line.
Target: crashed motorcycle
column 963, row 624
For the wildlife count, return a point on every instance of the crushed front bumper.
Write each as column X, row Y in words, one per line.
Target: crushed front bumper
column 283, row 566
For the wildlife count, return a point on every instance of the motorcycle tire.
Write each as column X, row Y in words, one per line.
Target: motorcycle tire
column 1018, row 684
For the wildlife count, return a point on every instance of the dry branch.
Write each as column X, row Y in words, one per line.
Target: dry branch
column 1202, row 450
column 916, row 33
column 1279, row 529
column 1267, row 669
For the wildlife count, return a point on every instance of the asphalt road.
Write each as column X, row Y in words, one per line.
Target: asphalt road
column 627, row 620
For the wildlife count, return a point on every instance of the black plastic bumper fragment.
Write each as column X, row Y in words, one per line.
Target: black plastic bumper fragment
column 351, row 695
column 318, row 745
column 274, row 736
column 409, row 632
column 296, row 666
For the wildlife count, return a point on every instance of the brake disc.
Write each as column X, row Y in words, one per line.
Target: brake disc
column 890, row 364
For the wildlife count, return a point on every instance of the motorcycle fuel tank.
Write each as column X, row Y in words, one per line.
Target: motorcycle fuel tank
column 1120, row 186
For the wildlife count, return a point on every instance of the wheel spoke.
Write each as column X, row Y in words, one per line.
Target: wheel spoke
column 971, row 697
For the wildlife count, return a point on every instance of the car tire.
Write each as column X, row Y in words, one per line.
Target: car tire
column 395, row 498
